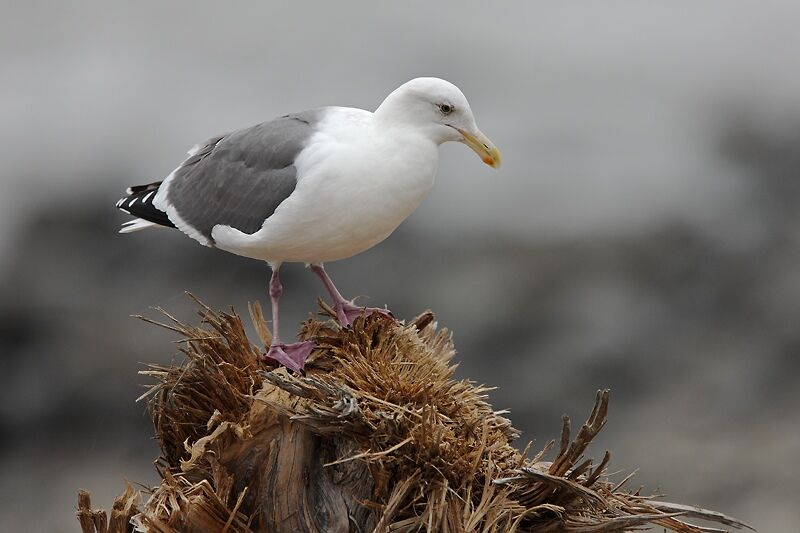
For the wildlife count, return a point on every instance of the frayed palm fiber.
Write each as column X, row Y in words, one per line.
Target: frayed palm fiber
column 377, row 436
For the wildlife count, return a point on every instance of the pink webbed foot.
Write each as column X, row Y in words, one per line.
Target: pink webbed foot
column 292, row 356
column 346, row 312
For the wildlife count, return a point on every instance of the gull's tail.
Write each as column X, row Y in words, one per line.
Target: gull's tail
column 137, row 224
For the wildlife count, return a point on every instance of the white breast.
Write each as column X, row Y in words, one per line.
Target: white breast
column 355, row 186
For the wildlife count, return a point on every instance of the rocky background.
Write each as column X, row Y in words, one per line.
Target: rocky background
column 643, row 233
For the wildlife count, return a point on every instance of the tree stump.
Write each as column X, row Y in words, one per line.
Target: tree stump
column 376, row 436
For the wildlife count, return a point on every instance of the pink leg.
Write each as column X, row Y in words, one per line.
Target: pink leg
column 346, row 312
column 292, row 356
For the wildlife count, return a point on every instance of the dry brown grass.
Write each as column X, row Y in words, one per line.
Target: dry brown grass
column 376, row 436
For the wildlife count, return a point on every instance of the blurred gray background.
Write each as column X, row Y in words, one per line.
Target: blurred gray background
column 643, row 233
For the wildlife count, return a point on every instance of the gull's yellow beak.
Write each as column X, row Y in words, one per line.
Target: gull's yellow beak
column 482, row 146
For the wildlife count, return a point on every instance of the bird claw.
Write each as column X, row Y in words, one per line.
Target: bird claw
column 347, row 312
column 292, row 356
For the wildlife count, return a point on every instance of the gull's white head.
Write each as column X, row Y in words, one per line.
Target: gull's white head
column 441, row 110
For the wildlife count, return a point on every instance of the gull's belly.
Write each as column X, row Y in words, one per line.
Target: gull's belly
column 335, row 214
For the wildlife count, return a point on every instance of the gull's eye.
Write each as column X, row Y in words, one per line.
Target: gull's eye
column 446, row 109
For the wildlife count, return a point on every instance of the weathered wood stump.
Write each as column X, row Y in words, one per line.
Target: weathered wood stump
column 376, row 436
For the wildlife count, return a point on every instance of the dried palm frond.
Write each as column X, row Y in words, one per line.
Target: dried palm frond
column 377, row 435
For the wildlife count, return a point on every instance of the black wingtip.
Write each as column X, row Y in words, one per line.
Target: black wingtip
column 139, row 203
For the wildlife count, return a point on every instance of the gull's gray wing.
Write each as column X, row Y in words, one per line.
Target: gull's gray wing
column 238, row 179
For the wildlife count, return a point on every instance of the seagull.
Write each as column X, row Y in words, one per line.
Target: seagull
column 312, row 187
